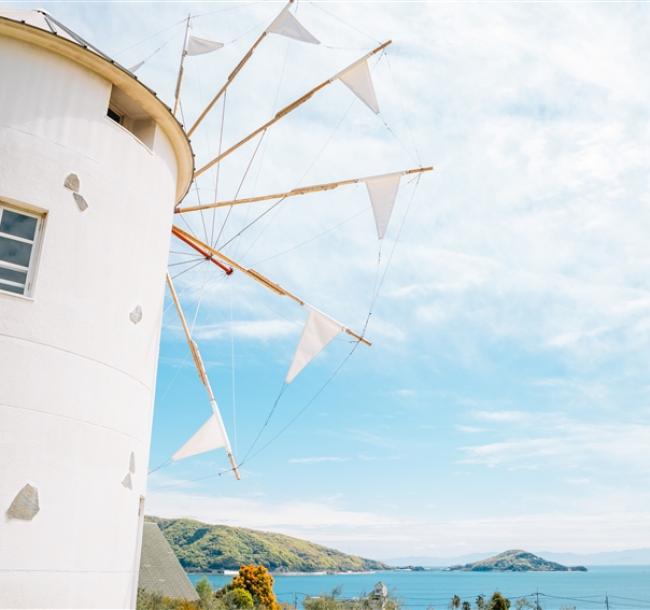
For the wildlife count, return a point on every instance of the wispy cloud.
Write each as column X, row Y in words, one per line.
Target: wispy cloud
column 572, row 444
column 469, row 429
column 318, row 459
column 500, row 416
column 370, row 438
column 260, row 330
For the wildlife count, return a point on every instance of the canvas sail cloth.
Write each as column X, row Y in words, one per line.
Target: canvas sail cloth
column 318, row 332
column 194, row 46
column 357, row 78
column 382, row 191
column 211, row 435
column 201, row 46
column 285, row 24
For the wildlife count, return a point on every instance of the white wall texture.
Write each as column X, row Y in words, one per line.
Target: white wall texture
column 77, row 376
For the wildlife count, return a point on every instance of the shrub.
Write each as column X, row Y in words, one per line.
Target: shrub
column 238, row 599
column 259, row 583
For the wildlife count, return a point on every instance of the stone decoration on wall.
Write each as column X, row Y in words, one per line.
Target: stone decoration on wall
column 136, row 315
column 25, row 505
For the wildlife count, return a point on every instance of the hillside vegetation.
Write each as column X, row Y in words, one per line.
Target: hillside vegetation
column 516, row 561
column 204, row 547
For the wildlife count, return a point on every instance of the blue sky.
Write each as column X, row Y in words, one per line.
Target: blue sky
column 504, row 402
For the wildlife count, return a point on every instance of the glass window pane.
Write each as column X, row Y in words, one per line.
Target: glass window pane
column 9, row 288
column 16, row 252
column 17, row 224
column 13, row 276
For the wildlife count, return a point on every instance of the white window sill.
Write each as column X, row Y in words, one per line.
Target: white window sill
column 22, row 297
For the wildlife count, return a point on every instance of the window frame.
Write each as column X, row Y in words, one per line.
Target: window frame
column 33, row 256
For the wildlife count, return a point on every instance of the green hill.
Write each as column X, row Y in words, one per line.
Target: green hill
column 203, row 547
column 516, row 561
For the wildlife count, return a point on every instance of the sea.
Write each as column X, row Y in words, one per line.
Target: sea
column 600, row 588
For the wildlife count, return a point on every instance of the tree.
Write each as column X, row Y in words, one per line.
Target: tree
column 498, row 602
column 259, row 583
column 238, row 599
column 480, row 602
column 454, row 604
column 204, row 589
column 466, row 605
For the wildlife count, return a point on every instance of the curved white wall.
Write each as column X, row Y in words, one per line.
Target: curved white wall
column 77, row 376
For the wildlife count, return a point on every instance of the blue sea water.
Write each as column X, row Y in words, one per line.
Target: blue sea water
column 627, row 587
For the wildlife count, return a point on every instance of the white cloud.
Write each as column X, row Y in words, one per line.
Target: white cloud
column 405, row 393
column 571, row 444
column 469, row 429
column 318, row 459
column 262, row 330
column 500, row 416
column 376, row 534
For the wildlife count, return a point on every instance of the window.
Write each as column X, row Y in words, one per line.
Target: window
column 111, row 113
column 19, row 234
column 129, row 114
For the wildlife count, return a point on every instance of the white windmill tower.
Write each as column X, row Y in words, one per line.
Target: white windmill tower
column 93, row 167
column 92, row 164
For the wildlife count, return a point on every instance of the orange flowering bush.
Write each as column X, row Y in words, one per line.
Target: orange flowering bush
column 259, row 583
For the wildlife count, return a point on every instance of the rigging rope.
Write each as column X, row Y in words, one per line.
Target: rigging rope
column 304, row 175
column 218, row 174
column 241, row 184
column 309, row 240
column 137, row 44
column 379, row 280
column 344, row 22
column 203, row 260
column 379, row 285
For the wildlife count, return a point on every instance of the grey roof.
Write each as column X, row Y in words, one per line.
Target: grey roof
column 160, row 570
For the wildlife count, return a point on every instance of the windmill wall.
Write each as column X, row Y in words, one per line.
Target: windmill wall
column 79, row 346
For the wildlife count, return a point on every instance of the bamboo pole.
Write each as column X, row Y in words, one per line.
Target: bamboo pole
column 286, row 110
column 302, row 190
column 259, row 278
column 200, row 367
column 177, row 92
column 231, row 77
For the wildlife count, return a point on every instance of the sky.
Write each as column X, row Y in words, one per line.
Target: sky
column 504, row 402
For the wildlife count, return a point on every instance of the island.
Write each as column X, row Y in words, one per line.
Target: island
column 203, row 547
column 515, row 560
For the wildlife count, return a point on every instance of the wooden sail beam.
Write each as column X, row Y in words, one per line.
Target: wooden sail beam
column 179, row 79
column 258, row 277
column 286, row 110
column 200, row 368
column 201, row 251
column 230, row 78
column 302, row 190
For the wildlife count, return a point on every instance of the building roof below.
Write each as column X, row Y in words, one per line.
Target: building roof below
column 160, row 570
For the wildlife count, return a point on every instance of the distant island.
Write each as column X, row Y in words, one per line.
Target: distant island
column 201, row 547
column 515, row 561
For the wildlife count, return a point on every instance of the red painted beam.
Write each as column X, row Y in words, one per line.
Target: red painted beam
column 208, row 255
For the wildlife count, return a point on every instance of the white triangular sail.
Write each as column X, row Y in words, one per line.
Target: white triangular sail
column 209, row 436
column 357, row 78
column 200, row 46
column 285, row 24
column 382, row 191
column 318, row 332
column 137, row 66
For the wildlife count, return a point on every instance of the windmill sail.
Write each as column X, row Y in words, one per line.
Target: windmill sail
column 285, row 24
column 382, row 191
column 209, row 436
column 318, row 332
column 357, row 78
column 201, row 46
